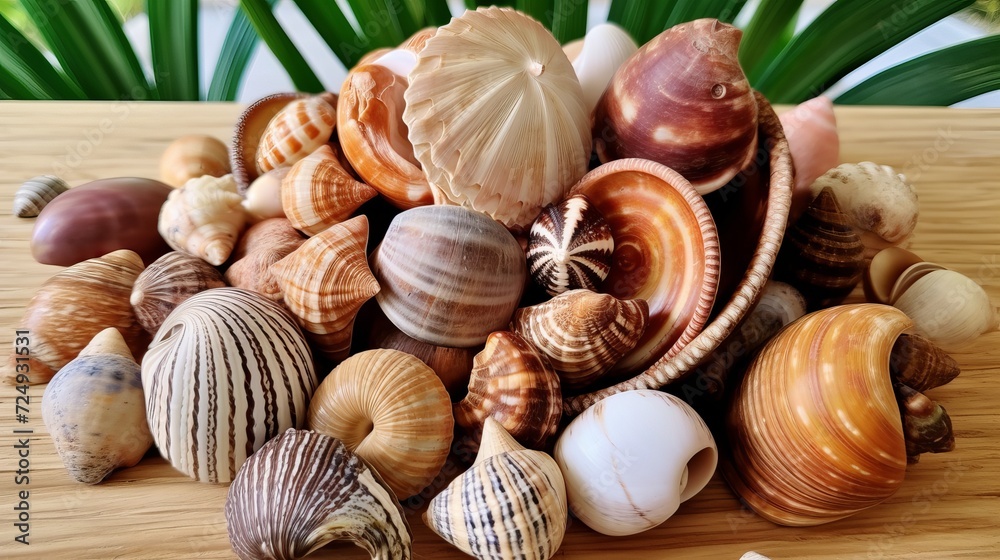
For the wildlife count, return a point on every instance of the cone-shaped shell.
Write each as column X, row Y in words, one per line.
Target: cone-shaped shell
column 583, row 333
column 325, row 281
column 262, row 245
column 250, row 127
column 227, row 371
column 513, row 384
column 318, row 192
column 95, row 412
column 570, row 246
column 919, row 364
column 814, row 428
column 496, row 115
column 168, row 281
column 70, row 308
column 203, row 218
column 299, row 128
column 35, row 193
column 511, row 504
column 323, row 493
column 393, row 411
column 682, row 100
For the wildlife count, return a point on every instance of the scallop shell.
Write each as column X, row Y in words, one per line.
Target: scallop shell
column 814, row 428
column 496, row 115
column 203, row 218
column 570, row 246
column 513, row 384
column 449, row 276
column 603, row 50
column 324, row 493
column 192, row 156
column 250, row 127
column 94, row 410
column 75, row 304
column 302, row 126
column 325, row 282
column 262, row 245
column 318, row 192
column 583, row 333
column 510, row 504
column 227, row 371
column 393, row 411
column 168, row 281
column 35, row 193
column 666, row 252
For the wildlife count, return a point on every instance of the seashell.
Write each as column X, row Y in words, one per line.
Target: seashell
column 75, row 304
column 570, row 246
column 263, row 196
column 602, row 51
column 372, row 132
column 624, row 478
column 666, row 252
column 297, row 130
column 99, row 217
column 495, row 83
column 814, row 428
column 926, row 424
column 318, row 192
column 811, row 129
column 168, row 281
column 754, row 556
column 246, row 138
column 325, row 494
column 325, row 281
column 35, row 193
column 260, row 246
column 203, row 218
column 582, row 333
column 416, row 42
column 452, row 365
column 392, row 410
column 193, row 156
column 95, row 412
column 821, row 255
column 449, row 276
column 227, row 371
column 917, row 363
column 682, row 100
column 880, row 204
column 510, row 504
column 512, row 383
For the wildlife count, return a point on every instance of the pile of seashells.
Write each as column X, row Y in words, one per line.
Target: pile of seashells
column 320, row 315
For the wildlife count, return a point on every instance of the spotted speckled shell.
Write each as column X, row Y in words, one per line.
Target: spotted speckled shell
column 570, row 246
column 35, row 193
column 322, row 493
column 227, row 371
column 318, row 192
column 167, row 282
column 296, row 131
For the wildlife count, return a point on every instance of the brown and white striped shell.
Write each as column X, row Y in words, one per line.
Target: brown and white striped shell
column 260, row 246
column 393, row 411
column 167, row 282
column 513, row 384
column 296, row 131
column 319, row 493
column 325, row 282
column 449, row 275
column 35, row 193
column 203, row 218
column 510, row 504
column 227, row 371
column 582, row 333
column 318, row 192
column 570, row 246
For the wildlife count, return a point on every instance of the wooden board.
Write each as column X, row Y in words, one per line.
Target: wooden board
column 948, row 506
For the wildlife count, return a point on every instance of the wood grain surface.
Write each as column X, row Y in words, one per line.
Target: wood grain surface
column 948, row 507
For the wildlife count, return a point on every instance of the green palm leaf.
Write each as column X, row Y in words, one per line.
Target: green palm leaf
column 334, row 27
column 237, row 49
column 24, row 71
column 632, row 16
column 763, row 31
column 569, row 19
column 538, row 9
column 173, row 38
column 260, row 14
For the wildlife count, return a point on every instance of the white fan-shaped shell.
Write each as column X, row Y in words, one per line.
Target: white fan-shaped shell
column 605, row 48
column 496, row 115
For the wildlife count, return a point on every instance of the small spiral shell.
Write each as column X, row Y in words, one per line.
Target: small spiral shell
column 296, row 131
column 167, row 282
column 35, row 193
column 203, row 218
column 570, row 246
column 318, row 192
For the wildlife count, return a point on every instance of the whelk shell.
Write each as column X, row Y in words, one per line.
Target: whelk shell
column 192, row 156
column 318, row 192
column 926, row 424
column 260, row 246
column 297, row 130
column 168, row 281
column 323, row 492
column 570, row 246
column 35, row 193
column 203, row 218
column 393, row 411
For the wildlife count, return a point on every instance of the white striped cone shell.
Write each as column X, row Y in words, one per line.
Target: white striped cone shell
column 296, row 131
column 227, row 371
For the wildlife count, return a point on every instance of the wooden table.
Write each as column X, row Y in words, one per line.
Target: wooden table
column 949, row 505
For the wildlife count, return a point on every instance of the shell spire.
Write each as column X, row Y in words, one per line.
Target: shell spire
column 318, row 192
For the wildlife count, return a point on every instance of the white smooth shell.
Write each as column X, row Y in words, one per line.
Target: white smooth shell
column 605, row 48
column 632, row 458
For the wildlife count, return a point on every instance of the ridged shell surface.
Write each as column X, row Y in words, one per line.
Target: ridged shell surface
column 227, row 371
column 296, row 131
column 318, row 192
column 168, row 281
column 203, row 218
column 570, row 246
column 35, row 193
column 260, row 246
column 449, row 276
column 814, row 428
column 304, row 490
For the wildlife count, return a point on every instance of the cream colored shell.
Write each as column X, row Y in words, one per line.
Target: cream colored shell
column 203, row 218
column 605, row 47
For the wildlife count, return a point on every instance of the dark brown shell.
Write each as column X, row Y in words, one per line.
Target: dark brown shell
column 570, row 246
column 919, row 364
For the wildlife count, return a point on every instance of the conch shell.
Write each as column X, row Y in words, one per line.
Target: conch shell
column 519, row 506
column 168, row 281
column 94, row 410
column 496, row 115
column 35, row 193
column 318, row 192
column 260, row 246
column 325, row 493
column 204, row 218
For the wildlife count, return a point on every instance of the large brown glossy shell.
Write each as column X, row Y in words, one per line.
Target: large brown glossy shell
column 814, row 428
column 666, row 252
